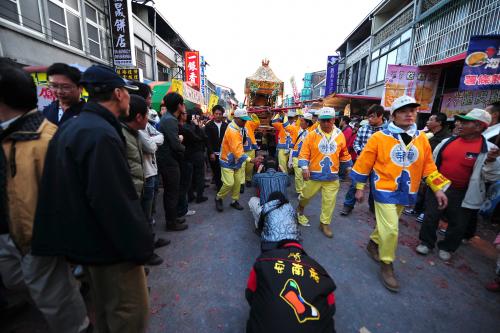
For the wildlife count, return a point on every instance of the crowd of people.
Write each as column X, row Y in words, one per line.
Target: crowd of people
column 79, row 183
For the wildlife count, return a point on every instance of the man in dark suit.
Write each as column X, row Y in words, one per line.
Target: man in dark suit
column 64, row 81
column 215, row 130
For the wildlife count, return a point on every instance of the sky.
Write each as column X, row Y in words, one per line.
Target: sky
column 234, row 35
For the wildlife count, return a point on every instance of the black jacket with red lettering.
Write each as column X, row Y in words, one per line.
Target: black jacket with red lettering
column 290, row 292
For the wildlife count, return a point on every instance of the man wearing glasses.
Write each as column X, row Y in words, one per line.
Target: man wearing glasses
column 64, row 81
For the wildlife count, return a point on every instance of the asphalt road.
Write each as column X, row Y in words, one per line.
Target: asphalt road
column 200, row 286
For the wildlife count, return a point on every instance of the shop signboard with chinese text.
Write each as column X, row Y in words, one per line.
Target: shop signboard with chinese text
column 418, row 82
column 192, row 68
column 464, row 101
column 186, row 91
column 482, row 65
column 202, row 76
column 130, row 73
column 332, row 69
column 121, row 32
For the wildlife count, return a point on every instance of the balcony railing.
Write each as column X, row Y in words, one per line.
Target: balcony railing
column 446, row 32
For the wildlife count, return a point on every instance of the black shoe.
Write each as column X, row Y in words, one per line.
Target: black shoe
column 249, row 184
column 218, row 205
column 236, row 205
column 155, row 260
column 242, row 188
column 201, row 199
column 176, row 227
column 346, row 210
column 161, row 242
column 180, row 220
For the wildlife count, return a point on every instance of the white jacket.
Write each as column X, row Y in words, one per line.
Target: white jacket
column 151, row 139
column 482, row 173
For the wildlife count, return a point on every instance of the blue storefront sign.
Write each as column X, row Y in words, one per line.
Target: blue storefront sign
column 332, row 69
column 481, row 68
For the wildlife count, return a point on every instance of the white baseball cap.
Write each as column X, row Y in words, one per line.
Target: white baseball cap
column 477, row 115
column 292, row 113
column 326, row 113
column 242, row 114
column 308, row 116
column 403, row 101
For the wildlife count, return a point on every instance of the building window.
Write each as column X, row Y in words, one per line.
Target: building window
column 98, row 35
column 362, row 73
column 144, row 59
column 395, row 52
column 65, row 22
column 355, row 71
column 25, row 13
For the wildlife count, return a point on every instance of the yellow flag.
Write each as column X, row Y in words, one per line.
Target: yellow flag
column 176, row 86
column 214, row 99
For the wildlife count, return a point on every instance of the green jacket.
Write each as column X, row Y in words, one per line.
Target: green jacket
column 134, row 157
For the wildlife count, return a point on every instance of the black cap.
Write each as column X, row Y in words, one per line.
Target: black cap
column 99, row 78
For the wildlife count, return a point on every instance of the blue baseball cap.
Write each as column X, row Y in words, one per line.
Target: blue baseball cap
column 99, row 78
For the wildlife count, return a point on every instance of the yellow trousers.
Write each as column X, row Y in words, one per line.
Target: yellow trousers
column 231, row 181
column 283, row 159
column 299, row 180
column 248, row 167
column 329, row 190
column 386, row 230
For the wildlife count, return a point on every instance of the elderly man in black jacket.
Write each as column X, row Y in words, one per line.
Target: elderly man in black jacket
column 168, row 156
column 215, row 130
column 88, row 210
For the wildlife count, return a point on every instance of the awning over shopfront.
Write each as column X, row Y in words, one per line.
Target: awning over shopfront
column 449, row 60
column 192, row 98
column 357, row 103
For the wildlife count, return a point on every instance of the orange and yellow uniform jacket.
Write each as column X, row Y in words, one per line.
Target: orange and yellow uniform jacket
column 293, row 130
column 250, row 127
column 279, row 125
column 397, row 169
column 324, row 155
column 232, row 155
column 300, row 140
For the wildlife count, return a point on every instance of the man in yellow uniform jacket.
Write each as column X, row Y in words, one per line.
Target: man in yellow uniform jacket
column 232, row 159
column 280, row 122
column 250, row 146
column 305, row 127
column 400, row 156
column 323, row 154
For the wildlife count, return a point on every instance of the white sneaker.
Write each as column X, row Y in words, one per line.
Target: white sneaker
column 444, row 255
column 422, row 249
column 190, row 213
column 420, row 218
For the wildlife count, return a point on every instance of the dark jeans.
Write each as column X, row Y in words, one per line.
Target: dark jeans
column 185, row 182
column 198, row 180
column 215, row 166
column 350, row 200
column 148, row 196
column 171, row 182
column 458, row 220
column 420, row 204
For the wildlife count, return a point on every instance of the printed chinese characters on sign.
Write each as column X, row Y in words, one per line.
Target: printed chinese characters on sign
column 192, row 68
column 418, row 82
column 130, row 73
column 482, row 64
column 123, row 48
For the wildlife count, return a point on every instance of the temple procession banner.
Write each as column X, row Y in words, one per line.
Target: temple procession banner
column 418, row 82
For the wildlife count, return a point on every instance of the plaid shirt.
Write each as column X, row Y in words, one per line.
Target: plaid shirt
column 364, row 133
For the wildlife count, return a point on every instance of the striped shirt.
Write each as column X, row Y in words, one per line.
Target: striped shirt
column 269, row 182
column 364, row 133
